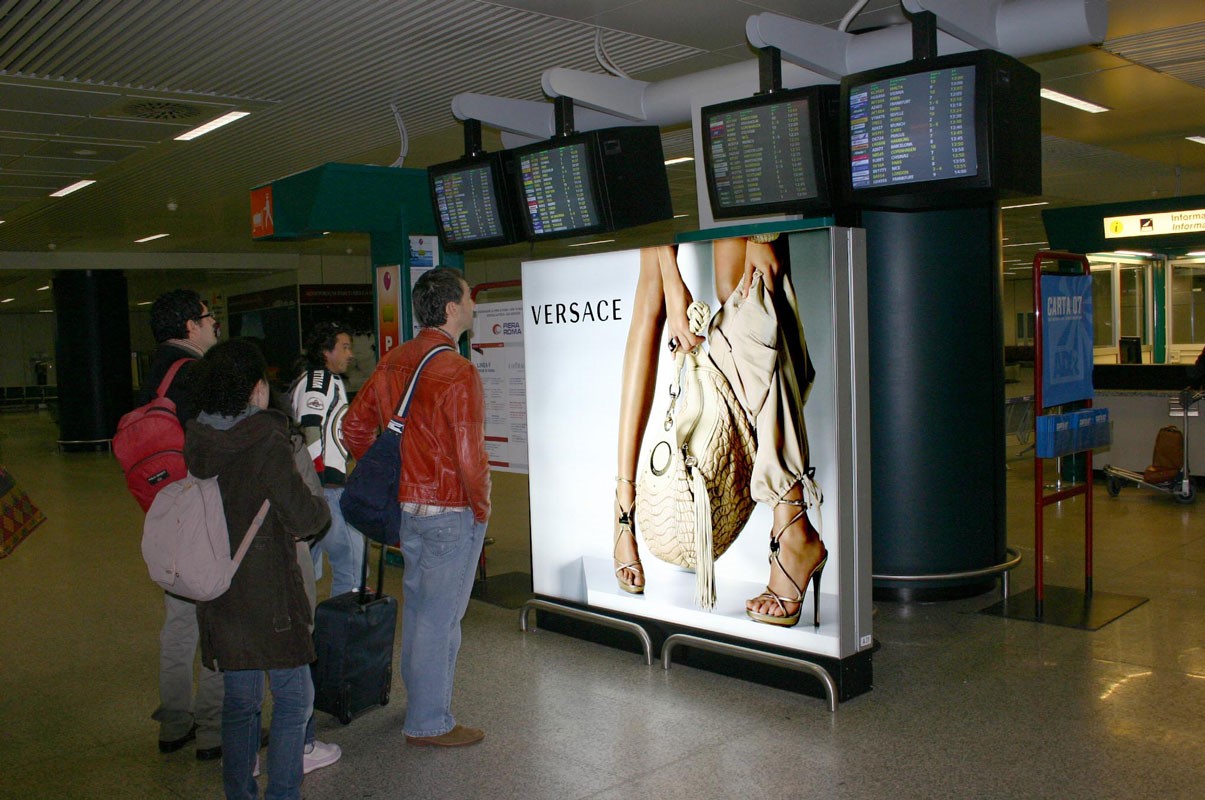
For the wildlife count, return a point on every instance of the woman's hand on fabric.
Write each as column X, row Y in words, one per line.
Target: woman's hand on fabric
column 759, row 257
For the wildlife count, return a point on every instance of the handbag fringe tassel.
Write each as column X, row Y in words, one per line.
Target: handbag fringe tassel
column 704, row 555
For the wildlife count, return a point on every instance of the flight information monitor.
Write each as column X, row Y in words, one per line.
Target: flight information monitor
column 768, row 154
column 558, row 189
column 762, row 155
column 913, row 128
column 467, row 206
column 472, row 205
column 944, row 132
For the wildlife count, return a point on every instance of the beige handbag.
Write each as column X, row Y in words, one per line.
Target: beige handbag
column 692, row 496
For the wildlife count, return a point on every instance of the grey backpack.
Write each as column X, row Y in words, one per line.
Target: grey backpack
column 185, row 541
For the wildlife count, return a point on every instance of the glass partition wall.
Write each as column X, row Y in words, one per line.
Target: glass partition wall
column 1186, row 309
column 1121, row 306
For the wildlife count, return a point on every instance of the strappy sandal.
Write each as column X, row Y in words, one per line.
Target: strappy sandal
column 626, row 517
column 787, row 620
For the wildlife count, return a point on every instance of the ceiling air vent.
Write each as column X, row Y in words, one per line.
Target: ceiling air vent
column 159, row 110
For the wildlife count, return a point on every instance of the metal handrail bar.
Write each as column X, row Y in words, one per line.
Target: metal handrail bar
column 589, row 616
column 788, row 662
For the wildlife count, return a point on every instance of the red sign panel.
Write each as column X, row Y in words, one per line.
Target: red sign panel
column 261, row 212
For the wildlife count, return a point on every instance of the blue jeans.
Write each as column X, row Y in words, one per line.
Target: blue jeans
column 441, row 554
column 343, row 545
column 292, row 704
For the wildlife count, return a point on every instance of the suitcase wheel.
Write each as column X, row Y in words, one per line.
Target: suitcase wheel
column 385, row 686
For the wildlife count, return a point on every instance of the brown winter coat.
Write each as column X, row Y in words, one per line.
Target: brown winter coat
column 262, row 621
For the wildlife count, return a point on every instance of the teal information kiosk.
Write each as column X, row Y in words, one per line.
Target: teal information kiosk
column 390, row 204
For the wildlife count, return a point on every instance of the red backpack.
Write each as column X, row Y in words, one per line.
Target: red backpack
column 149, row 443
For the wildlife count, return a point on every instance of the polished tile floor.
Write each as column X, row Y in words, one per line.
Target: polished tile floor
column 964, row 706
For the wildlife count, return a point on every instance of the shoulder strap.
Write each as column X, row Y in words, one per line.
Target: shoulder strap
column 251, row 531
column 403, row 408
column 171, row 376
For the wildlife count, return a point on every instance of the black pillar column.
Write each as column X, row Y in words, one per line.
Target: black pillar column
column 92, row 346
column 937, row 398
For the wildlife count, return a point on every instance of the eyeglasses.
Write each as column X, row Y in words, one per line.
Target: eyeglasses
column 207, row 315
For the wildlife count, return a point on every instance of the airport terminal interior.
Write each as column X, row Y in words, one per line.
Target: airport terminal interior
column 963, row 705
column 958, row 703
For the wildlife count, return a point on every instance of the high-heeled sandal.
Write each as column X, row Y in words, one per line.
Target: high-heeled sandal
column 787, row 620
column 626, row 518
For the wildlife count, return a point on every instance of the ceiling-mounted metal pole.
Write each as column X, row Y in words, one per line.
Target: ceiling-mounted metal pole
column 563, row 108
column 472, row 138
column 924, row 36
column 769, row 70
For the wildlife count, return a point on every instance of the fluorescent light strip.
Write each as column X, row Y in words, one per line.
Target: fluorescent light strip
column 680, row 216
column 1134, row 253
column 680, row 160
column 209, row 127
column 1026, row 244
column 1196, row 253
column 1074, row 102
column 151, row 238
column 1025, row 205
column 8, row 300
column 1197, row 139
column 144, row 303
column 43, row 288
column 587, row 244
column 75, row 187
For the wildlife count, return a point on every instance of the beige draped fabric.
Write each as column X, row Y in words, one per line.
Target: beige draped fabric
column 759, row 345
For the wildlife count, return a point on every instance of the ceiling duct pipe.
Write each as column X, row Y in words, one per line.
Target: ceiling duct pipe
column 1019, row 28
column 814, row 54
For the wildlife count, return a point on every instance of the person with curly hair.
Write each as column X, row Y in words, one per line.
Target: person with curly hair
column 261, row 624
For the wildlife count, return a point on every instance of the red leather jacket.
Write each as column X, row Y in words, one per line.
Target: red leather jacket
column 444, row 462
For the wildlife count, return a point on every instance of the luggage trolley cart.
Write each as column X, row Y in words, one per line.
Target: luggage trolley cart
column 1180, row 485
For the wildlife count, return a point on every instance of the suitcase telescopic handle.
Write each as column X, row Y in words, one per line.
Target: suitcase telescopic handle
column 364, row 596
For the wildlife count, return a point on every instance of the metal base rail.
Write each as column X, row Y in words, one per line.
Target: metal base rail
column 1014, row 558
column 798, row 664
column 589, row 616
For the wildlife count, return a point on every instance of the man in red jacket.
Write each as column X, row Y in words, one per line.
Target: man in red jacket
column 444, row 491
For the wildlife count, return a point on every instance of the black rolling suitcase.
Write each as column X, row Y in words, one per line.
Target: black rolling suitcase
column 353, row 637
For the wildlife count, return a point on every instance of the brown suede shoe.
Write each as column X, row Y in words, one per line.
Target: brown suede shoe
column 457, row 737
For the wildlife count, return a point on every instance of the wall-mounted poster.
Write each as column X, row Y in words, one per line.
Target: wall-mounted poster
column 389, row 312
column 772, row 401
column 497, row 351
column 1066, row 339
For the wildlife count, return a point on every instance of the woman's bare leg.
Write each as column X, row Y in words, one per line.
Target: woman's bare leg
column 635, row 404
column 799, row 548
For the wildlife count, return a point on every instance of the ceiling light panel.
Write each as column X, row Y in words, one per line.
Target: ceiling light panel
column 1074, row 102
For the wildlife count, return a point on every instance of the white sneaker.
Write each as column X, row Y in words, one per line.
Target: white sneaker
column 318, row 755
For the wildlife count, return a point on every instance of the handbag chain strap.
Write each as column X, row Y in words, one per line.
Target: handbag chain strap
column 698, row 316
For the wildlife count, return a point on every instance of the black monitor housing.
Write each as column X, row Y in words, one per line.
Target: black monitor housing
column 593, row 182
column 474, row 202
column 773, row 153
column 943, row 132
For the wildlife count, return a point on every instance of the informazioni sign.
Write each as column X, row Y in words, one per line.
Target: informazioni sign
column 1158, row 224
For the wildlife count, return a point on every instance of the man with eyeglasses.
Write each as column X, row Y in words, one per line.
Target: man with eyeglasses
column 184, row 328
